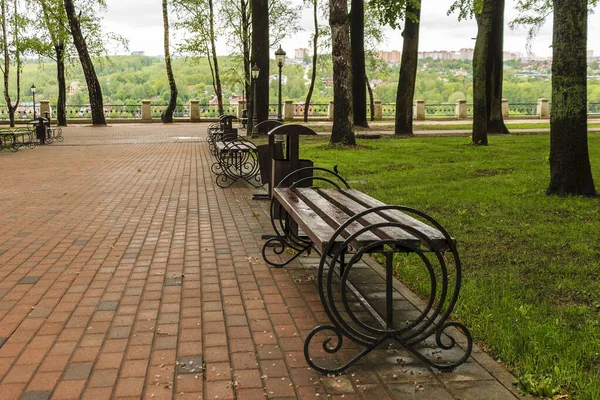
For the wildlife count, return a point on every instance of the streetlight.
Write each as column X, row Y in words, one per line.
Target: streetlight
column 33, row 92
column 255, row 72
column 280, row 58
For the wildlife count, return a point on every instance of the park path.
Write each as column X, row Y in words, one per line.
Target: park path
column 125, row 272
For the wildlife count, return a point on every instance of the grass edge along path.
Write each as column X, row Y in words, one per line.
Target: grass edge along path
column 531, row 262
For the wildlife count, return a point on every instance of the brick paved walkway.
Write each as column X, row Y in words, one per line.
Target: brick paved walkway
column 124, row 270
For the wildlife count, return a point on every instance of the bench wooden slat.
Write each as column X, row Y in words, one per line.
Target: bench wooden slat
column 335, row 217
column 435, row 235
column 235, row 146
column 317, row 230
column 352, row 207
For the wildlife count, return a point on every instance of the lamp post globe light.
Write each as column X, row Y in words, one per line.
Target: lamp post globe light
column 255, row 72
column 280, row 59
column 33, row 93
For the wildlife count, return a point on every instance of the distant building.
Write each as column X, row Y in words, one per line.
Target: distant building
column 328, row 81
column 508, row 56
column 300, row 53
column 73, row 88
column 391, row 57
column 275, row 77
column 437, row 55
column 137, row 53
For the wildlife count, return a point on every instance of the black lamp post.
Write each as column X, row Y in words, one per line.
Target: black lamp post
column 280, row 58
column 33, row 92
column 255, row 72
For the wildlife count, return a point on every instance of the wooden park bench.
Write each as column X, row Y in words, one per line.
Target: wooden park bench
column 314, row 208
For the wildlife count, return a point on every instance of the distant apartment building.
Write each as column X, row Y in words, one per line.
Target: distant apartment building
column 299, row 54
column 508, row 56
column 436, row 55
column 137, row 53
column 391, row 57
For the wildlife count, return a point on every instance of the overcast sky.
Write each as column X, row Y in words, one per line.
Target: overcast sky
column 140, row 21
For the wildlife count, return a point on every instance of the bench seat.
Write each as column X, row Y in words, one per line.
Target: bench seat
column 320, row 212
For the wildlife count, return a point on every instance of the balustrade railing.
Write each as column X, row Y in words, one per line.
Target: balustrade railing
column 440, row 110
column 185, row 111
column 528, row 109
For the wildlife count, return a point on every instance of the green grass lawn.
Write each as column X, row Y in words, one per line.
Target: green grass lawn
column 531, row 263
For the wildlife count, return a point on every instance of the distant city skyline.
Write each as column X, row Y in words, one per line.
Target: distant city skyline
column 140, row 21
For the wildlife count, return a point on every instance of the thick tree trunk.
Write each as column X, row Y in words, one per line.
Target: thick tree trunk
column 343, row 119
column 570, row 171
column 217, row 84
column 313, row 76
column 357, row 42
column 260, row 56
column 167, row 115
column 61, row 104
column 408, row 73
column 91, row 80
column 496, row 59
column 480, row 73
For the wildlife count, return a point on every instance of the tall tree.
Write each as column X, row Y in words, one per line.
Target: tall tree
column 343, row 119
column 408, row 69
column 391, row 12
column 167, row 116
column 315, row 43
column 488, row 63
column 54, row 20
column 260, row 58
column 570, row 171
column 12, row 50
column 94, row 89
column 359, row 75
column 481, row 62
column 495, row 68
column 197, row 21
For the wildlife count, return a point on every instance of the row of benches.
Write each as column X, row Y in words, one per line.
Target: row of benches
column 314, row 208
column 35, row 133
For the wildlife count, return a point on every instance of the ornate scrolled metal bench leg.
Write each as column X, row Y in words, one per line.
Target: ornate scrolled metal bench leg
column 384, row 326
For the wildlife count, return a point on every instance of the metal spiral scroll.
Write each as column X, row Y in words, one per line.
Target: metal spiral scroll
column 284, row 238
column 433, row 320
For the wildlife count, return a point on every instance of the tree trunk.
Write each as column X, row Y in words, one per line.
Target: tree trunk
column 496, row 59
column 167, row 115
column 408, row 72
column 61, row 104
column 357, row 42
column 91, row 80
column 481, row 65
column 570, row 171
column 313, row 75
column 247, row 66
column 371, row 98
column 260, row 56
column 217, row 84
column 343, row 119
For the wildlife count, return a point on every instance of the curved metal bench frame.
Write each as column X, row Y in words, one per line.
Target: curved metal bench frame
column 337, row 266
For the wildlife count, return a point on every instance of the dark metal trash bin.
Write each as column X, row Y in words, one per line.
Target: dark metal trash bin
column 41, row 125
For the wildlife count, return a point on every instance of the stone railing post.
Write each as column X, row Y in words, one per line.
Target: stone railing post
column 330, row 110
column 240, row 107
column 419, row 110
column 461, row 109
column 378, row 110
column 543, row 109
column 146, row 111
column 505, row 113
column 288, row 110
column 44, row 107
column 194, row 110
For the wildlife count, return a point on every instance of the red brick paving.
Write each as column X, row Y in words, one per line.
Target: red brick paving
column 120, row 257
